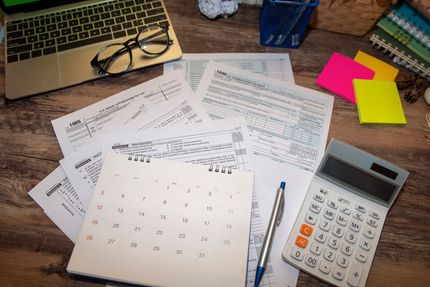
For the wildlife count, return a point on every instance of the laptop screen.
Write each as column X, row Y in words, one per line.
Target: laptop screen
column 15, row 6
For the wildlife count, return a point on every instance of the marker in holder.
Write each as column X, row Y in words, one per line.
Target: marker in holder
column 283, row 23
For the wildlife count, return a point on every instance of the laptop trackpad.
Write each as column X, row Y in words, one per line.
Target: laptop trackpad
column 75, row 65
column 33, row 76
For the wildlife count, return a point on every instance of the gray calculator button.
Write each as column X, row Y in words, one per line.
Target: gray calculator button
column 311, row 260
column 323, row 191
column 361, row 256
column 374, row 214
column 328, row 214
column 357, row 215
column 315, row 207
column 318, row 197
column 316, row 248
column 338, row 273
column 355, row 274
column 325, row 225
column 333, row 242
column 310, row 218
column 346, row 249
column 337, row 231
column 342, row 261
column 329, row 254
column 372, row 222
column 341, row 219
column 368, row 232
column 345, row 210
column 350, row 237
column 360, row 208
column 297, row 254
column 343, row 200
column 324, row 267
column 320, row 236
column 332, row 204
column 354, row 225
column 365, row 244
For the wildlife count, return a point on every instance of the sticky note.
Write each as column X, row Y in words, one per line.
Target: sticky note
column 338, row 74
column 378, row 102
column 383, row 71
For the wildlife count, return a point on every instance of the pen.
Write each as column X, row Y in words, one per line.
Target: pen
column 275, row 220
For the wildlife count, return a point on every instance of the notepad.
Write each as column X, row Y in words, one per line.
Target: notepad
column 338, row 74
column 378, row 102
column 383, row 71
column 165, row 223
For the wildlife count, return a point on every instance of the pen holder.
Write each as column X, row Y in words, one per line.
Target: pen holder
column 283, row 23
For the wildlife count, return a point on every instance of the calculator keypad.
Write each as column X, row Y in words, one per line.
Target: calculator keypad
column 334, row 237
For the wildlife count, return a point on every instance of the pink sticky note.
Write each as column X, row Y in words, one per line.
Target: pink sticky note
column 338, row 74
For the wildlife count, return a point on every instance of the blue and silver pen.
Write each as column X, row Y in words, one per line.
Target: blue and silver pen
column 275, row 220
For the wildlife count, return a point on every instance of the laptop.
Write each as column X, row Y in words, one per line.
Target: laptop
column 49, row 43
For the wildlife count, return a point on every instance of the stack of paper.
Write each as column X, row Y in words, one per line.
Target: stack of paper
column 234, row 118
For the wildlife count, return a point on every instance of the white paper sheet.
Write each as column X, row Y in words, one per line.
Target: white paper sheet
column 273, row 65
column 288, row 128
column 77, row 128
column 268, row 176
column 222, row 142
column 83, row 165
column 57, row 197
column 287, row 123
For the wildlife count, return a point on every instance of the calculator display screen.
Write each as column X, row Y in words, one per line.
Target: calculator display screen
column 359, row 179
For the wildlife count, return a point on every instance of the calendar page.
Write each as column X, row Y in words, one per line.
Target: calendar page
column 165, row 223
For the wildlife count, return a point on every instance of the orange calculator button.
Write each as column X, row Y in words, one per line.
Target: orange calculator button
column 301, row 242
column 306, row 230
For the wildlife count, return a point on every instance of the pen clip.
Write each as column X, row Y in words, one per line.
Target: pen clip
column 281, row 211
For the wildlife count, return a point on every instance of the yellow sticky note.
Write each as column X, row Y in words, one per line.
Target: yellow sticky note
column 378, row 102
column 383, row 71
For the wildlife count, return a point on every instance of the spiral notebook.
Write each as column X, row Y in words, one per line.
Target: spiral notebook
column 164, row 223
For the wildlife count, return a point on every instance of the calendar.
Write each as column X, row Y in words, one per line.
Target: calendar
column 165, row 223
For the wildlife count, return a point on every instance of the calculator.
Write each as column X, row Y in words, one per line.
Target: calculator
column 337, row 230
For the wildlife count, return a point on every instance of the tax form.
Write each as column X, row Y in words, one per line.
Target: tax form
column 226, row 144
column 56, row 195
column 274, row 65
column 287, row 123
column 223, row 142
column 288, row 128
column 59, row 200
column 77, row 128
column 83, row 166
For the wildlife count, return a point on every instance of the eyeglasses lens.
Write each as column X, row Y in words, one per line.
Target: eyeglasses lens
column 153, row 40
column 115, row 58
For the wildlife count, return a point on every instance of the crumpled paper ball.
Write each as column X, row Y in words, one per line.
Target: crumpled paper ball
column 214, row 8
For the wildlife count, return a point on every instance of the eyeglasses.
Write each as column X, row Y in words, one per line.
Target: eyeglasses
column 116, row 59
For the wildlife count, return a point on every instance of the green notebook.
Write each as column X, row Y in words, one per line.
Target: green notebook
column 401, row 53
column 404, row 37
column 378, row 102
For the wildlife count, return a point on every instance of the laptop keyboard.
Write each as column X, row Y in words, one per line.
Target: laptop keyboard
column 60, row 31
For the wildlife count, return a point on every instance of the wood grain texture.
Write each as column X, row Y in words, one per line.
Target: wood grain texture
column 34, row 252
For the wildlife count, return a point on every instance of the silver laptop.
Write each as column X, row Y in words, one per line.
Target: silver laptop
column 49, row 43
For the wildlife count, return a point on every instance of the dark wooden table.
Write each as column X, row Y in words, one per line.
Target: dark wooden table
column 34, row 252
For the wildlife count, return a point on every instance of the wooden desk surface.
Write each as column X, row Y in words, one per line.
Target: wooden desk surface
column 34, row 252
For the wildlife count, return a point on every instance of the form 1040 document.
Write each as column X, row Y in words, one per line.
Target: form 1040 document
column 288, row 128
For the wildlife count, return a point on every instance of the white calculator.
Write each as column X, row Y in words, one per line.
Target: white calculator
column 338, row 226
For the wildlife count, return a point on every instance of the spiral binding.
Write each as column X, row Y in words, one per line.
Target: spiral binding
column 216, row 168
column 140, row 158
column 147, row 159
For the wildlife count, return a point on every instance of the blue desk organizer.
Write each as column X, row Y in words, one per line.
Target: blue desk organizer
column 283, row 23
